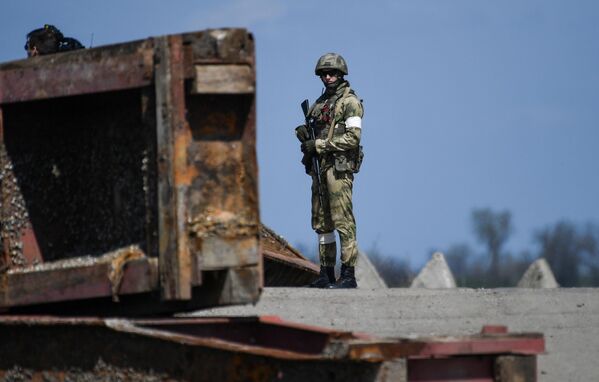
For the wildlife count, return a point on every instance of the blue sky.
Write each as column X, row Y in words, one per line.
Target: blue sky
column 468, row 103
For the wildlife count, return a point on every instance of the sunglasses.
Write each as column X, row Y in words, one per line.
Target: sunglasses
column 332, row 73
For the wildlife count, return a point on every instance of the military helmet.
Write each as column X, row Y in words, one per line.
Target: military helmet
column 331, row 61
column 46, row 39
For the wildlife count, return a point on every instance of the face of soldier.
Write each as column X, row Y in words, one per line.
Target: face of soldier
column 329, row 78
column 32, row 52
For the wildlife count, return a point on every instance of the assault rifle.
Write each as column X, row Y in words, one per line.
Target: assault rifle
column 315, row 164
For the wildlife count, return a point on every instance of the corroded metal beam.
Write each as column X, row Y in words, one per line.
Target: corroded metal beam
column 173, row 137
column 250, row 349
column 102, row 69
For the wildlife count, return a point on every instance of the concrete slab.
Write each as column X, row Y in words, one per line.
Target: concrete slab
column 568, row 317
column 538, row 275
column 435, row 274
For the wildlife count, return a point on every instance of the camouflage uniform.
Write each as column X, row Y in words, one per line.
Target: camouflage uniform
column 338, row 153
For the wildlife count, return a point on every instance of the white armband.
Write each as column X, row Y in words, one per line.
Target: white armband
column 326, row 238
column 353, row 122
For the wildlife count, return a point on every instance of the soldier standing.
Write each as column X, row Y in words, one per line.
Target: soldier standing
column 336, row 120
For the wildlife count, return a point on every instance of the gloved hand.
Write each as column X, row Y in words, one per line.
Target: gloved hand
column 307, row 162
column 301, row 132
column 309, row 147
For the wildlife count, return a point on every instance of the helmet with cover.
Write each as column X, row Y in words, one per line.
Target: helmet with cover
column 331, row 61
column 46, row 40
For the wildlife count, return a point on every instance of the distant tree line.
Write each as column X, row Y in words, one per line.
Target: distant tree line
column 572, row 251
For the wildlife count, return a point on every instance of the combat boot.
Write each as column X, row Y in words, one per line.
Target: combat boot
column 325, row 278
column 347, row 280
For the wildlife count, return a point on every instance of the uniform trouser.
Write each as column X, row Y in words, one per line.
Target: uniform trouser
column 335, row 214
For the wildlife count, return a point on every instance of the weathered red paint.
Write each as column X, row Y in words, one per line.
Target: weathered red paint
column 273, row 340
column 282, row 270
column 172, row 132
column 75, row 283
column 31, row 249
column 494, row 329
column 195, row 197
column 521, row 344
column 456, row 369
column 95, row 70
column 530, row 344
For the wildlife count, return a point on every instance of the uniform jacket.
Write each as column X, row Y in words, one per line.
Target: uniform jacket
column 342, row 112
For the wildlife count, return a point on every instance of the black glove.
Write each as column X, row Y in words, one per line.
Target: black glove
column 309, row 147
column 301, row 132
column 307, row 162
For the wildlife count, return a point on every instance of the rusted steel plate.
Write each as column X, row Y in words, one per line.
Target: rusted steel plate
column 243, row 348
column 224, row 79
column 84, row 191
column 225, row 287
column 122, row 272
column 221, row 167
column 224, row 252
column 173, row 139
column 220, row 46
column 280, row 270
column 19, row 244
column 515, row 368
column 254, row 335
column 116, row 67
column 223, row 210
column 127, row 350
column 273, row 242
column 243, row 334
column 467, row 369
column 241, row 286
column 31, row 249
column 46, row 320
column 283, row 264
column 525, row 344
column 494, row 329
column 5, row 261
column 520, row 344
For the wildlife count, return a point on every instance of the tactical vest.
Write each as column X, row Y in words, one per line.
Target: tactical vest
column 327, row 126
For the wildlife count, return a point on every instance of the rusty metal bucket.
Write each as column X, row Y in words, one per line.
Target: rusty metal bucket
column 130, row 170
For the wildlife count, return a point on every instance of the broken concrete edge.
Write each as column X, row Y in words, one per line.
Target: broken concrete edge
column 538, row 275
column 435, row 274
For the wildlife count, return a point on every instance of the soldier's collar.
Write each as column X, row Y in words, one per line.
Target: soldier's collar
column 341, row 87
column 337, row 90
